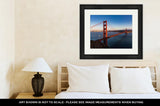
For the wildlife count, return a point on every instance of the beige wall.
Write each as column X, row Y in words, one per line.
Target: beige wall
column 6, row 46
column 50, row 29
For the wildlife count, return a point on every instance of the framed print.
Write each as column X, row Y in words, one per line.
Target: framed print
column 111, row 31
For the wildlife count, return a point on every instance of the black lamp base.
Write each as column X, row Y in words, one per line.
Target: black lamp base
column 37, row 84
column 37, row 95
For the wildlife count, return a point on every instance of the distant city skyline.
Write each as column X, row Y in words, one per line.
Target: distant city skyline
column 114, row 22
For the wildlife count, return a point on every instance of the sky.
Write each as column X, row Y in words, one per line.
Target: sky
column 114, row 22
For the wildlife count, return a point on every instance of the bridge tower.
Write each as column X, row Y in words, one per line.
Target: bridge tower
column 126, row 32
column 105, row 35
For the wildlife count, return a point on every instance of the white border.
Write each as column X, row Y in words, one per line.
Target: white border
column 133, row 12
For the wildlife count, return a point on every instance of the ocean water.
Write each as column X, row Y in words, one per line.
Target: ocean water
column 120, row 41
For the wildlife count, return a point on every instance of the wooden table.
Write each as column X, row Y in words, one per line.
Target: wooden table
column 48, row 95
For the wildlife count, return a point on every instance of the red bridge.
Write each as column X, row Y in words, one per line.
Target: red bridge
column 98, row 43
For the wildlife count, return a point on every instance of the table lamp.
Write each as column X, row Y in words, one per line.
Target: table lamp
column 37, row 65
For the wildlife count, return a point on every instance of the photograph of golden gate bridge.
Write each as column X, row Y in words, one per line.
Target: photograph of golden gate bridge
column 111, row 31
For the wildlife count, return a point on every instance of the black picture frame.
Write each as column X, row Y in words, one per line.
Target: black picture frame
column 83, row 7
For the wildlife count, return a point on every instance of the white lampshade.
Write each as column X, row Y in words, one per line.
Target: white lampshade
column 38, row 65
